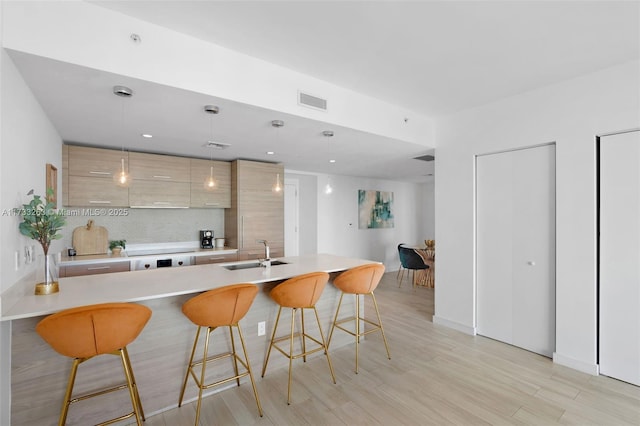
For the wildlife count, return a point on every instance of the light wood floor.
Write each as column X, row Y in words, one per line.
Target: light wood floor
column 435, row 376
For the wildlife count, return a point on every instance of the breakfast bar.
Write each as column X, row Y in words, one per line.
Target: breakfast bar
column 159, row 355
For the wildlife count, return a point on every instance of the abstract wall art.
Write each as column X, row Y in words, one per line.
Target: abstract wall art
column 375, row 209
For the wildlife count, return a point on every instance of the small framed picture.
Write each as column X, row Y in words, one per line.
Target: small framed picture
column 52, row 183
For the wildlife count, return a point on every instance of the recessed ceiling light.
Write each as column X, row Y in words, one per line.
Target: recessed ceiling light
column 332, row 161
column 270, row 152
column 147, row 135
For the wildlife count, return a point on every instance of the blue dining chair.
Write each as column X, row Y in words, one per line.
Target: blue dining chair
column 409, row 260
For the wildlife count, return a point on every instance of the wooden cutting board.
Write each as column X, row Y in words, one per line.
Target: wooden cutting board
column 90, row 239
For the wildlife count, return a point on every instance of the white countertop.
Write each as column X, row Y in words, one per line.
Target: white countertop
column 157, row 283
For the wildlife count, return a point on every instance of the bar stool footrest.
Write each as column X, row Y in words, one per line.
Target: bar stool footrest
column 302, row 354
column 376, row 326
column 221, row 381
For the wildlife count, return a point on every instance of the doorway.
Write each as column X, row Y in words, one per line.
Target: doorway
column 619, row 251
column 515, row 247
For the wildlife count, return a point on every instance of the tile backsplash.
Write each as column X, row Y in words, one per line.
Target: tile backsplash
column 141, row 226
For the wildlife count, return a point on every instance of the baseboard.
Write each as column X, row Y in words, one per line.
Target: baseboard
column 585, row 367
column 455, row 325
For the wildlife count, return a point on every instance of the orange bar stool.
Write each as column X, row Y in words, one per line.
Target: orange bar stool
column 360, row 280
column 88, row 331
column 220, row 307
column 299, row 293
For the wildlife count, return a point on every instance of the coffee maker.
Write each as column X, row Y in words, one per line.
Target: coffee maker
column 206, row 238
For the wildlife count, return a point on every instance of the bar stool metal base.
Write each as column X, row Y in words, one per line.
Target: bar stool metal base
column 322, row 345
column 200, row 381
column 130, row 384
column 357, row 318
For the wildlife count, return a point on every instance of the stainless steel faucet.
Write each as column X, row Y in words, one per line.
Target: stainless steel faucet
column 266, row 259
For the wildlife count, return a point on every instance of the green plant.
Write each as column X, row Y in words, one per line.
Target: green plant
column 41, row 220
column 117, row 243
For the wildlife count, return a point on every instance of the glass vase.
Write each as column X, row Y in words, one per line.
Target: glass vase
column 47, row 276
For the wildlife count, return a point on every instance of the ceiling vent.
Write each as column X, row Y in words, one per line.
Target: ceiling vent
column 425, row 158
column 311, row 101
column 217, row 145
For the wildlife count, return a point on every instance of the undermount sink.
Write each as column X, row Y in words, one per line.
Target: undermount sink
column 250, row 265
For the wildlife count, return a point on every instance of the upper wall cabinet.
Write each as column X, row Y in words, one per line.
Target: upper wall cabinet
column 159, row 181
column 217, row 197
column 160, row 168
column 88, row 177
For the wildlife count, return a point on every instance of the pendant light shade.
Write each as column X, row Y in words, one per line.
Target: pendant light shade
column 121, row 176
column 328, row 188
column 210, row 183
column 277, row 186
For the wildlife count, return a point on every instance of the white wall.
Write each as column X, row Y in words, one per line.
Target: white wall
column 429, row 211
column 338, row 231
column 5, row 328
column 571, row 114
column 27, row 142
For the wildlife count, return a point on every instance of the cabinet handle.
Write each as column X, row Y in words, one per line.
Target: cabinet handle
column 99, row 173
column 161, row 177
column 95, row 268
column 99, row 202
column 242, row 233
column 161, row 203
column 211, row 204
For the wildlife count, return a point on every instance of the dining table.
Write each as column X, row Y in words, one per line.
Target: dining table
column 426, row 277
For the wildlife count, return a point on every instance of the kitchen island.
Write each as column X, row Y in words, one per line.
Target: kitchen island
column 159, row 355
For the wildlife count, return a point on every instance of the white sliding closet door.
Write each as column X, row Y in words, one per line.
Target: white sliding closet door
column 620, row 256
column 515, row 247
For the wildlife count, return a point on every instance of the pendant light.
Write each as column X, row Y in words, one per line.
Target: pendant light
column 328, row 189
column 210, row 183
column 277, row 186
column 121, row 177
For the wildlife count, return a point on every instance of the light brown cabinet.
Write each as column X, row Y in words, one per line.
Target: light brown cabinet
column 220, row 195
column 87, row 177
column 215, row 258
column 256, row 212
column 94, row 269
column 95, row 192
column 159, row 181
column 145, row 193
column 157, row 167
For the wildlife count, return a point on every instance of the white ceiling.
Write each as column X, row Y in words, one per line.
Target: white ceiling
column 434, row 57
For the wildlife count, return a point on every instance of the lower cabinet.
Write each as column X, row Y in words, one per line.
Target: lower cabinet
column 94, row 269
column 252, row 254
column 216, row 258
